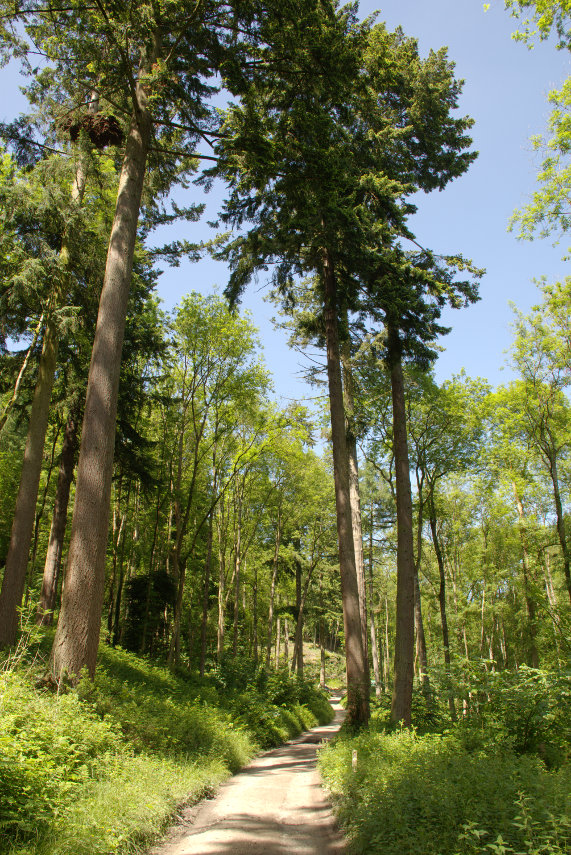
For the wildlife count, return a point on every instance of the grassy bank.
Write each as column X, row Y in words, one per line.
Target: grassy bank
column 101, row 769
column 474, row 787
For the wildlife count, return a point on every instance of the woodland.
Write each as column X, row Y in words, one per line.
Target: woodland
column 187, row 566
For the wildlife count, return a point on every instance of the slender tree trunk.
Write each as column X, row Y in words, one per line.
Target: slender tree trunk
column 273, row 590
column 237, row 579
column 357, row 674
column 206, row 596
column 442, row 604
column 297, row 662
column 421, row 654
column 286, row 642
column 278, row 641
column 533, row 654
column 59, row 520
column 22, row 527
column 77, row 635
column 374, row 645
column 321, row 655
column 221, row 586
column 40, row 508
column 404, row 638
column 255, row 613
column 22, row 371
column 560, row 522
column 354, row 493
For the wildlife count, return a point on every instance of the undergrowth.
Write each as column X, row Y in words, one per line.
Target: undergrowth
column 100, row 770
column 496, row 782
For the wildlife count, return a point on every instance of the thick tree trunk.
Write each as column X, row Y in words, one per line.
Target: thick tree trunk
column 442, row 604
column 23, row 525
column 404, row 638
column 357, row 674
column 59, row 520
column 355, row 498
column 77, row 635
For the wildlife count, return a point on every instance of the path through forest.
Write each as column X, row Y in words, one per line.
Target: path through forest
column 275, row 806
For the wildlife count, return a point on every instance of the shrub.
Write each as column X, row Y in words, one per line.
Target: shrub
column 414, row 794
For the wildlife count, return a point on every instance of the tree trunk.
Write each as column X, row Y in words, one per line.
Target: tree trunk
column 297, row 662
column 221, row 586
column 237, row 561
column 442, row 604
column 22, row 371
column 273, row 590
column 357, row 674
column 206, row 596
column 533, row 654
column 321, row 655
column 40, row 508
column 421, row 654
column 286, row 642
column 59, row 520
column 404, row 637
column 77, row 635
column 373, row 630
column 355, row 498
column 560, row 522
column 22, row 527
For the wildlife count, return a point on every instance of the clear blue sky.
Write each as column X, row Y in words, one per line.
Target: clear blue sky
column 505, row 92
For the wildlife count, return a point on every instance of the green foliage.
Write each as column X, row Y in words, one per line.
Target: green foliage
column 527, row 711
column 101, row 769
column 423, row 794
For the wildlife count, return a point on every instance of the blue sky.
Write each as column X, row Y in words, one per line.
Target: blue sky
column 505, row 92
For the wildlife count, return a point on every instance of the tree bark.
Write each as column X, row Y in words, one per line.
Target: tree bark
column 421, row 654
column 273, row 590
column 442, row 604
column 357, row 674
column 206, row 596
column 560, row 522
column 533, row 653
column 77, row 635
column 54, row 553
column 373, row 630
column 404, row 633
column 354, row 492
column 23, row 524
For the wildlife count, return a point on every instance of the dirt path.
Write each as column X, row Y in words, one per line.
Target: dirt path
column 275, row 806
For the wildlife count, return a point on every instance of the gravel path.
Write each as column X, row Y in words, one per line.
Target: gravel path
column 275, row 806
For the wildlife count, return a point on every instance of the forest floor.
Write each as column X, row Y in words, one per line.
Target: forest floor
column 275, row 806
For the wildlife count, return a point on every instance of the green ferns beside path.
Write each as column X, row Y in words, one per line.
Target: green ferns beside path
column 430, row 795
column 100, row 770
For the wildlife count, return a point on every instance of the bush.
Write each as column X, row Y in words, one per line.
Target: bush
column 100, row 769
column 414, row 794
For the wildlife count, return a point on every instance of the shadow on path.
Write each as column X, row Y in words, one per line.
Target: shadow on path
column 274, row 806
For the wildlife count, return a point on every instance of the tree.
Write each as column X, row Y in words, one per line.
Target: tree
column 327, row 197
column 151, row 63
column 549, row 211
